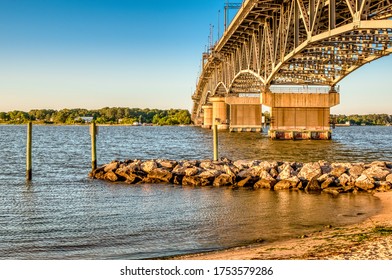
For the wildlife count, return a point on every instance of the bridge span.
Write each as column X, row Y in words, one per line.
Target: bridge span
column 289, row 55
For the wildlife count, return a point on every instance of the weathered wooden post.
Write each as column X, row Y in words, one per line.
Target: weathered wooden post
column 215, row 136
column 93, row 133
column 29, row 173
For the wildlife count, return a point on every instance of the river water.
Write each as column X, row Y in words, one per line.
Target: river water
column 62, row 214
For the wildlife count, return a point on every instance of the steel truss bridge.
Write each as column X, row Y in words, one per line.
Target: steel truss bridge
column 272, row 43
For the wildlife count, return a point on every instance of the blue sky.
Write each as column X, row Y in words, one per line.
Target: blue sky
column 96, row 53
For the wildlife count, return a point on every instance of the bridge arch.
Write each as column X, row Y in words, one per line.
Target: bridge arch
column 246, row 81
column 220, row 89
column 205, row 97
column 338, row 56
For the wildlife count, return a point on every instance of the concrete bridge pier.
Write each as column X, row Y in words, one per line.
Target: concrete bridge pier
column 220, row 112
column 207, row 116
column 245, row 114
column 300, row 115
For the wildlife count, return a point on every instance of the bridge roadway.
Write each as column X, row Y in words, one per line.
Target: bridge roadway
column 289, row 55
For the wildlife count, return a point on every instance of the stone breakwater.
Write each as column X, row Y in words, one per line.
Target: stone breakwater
column 333, row 178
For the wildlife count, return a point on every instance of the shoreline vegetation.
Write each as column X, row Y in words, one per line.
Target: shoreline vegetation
column 130, row 116
column 107, row 116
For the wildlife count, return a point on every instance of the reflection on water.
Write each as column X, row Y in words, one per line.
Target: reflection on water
column 62, row 214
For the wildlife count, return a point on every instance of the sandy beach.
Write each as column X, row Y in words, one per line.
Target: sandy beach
column 369, row 240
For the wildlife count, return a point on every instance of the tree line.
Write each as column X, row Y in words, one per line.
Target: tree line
column 370, row 119
column 116, row 115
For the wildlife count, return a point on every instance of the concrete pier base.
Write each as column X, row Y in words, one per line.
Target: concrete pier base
column 300, row 116
column 245, row 114
column 207, row 116
column 300, row 134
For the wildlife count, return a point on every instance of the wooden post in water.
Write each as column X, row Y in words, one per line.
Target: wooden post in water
column 93, row 132
column 215, row 136
column 29, row 173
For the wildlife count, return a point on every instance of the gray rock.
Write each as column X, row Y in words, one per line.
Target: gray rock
column 265, row 175
column 286, row 173
column 283, row 185
column 195, row 181
column 364, row 182
column 179, row 170
column 210, row 173
column 313, row 185
column 168, row 164
column 338, row 171
column 345, row 180
column 377, row 173
column 192, row 171
column 247, row 182
column 111, row 176
column 224, row 180
column 265, row 184
column 273, row 173
column 160, row 174
column 242, row 164
column 148, row 166
column 328, row 182
column 310, row 171
column 111, row 166
column 356, row 171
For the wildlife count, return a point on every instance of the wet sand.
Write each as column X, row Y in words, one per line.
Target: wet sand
column 369, row 240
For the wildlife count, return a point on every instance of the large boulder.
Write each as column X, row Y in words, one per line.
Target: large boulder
column 111, row 166
column 224, row 180
column 356, row 171
column 345, row 180
column 286, row 173
column 148, row 166
column 265, row 184
column 377, row 173
column 247, row 182
column 192, row 171
column 242, row 164
column 111, row 176
column 230, row 169
column 161, row 174
column 210, row 174
column 313, row 185
column 337, row 171
column 364, row 182
column 330, row 181
column 195, row 181
column 310, row 171
column 283, row 185
column 168, row 164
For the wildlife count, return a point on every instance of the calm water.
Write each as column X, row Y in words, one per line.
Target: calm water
column 62, row 214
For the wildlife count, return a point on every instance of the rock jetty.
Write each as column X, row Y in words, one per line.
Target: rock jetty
column 318, row 176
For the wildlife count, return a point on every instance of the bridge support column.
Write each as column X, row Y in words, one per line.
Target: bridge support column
column 300, row 115
column 220, row 112
column 207, row 116
column 245, row 114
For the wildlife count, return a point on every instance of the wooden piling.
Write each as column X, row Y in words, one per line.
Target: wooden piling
column 29, row 173
column 215, row 136
column 93, row 133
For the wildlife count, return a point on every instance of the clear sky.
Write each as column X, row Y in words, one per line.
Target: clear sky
column 124, row 53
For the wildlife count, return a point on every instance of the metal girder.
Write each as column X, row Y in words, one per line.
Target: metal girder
column 314, row 42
